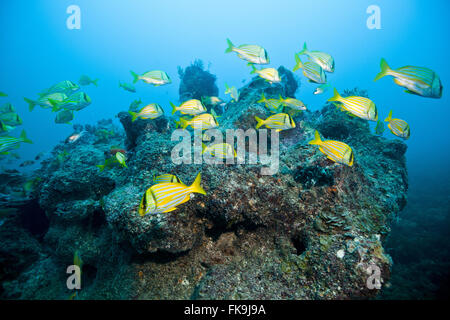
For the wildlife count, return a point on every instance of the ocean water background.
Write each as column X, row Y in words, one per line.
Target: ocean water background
column 38, row 50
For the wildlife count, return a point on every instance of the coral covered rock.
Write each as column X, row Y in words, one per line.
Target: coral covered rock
column 312, row 230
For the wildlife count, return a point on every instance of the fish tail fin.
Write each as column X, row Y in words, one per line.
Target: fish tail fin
column 263, row 98
column 174, row 108
column 196, row 187
column 336, row 96
column 23, row 136
column 384, row 70
column 135, row 76
column 304, row 50
column 316, row 139
column 298, row 63
column 95, row 82
column 31, row 104
column 101, row 167
column 389, row 117
column 253, row 69
column 227, row 88
column 203, row 148
column 260, row 122
column 230, row 46
column 183, row 123
column 280, row 98
column 134, row 116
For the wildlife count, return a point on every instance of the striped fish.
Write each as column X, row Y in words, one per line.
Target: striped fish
column 219, row 150
column 67, row 87
column 292, row 103
column 192, row 107
column 398, row 127
column 127, row 86
column 151, row 111
column 6, row 108
column 417, row 80
column 361, row 107
column 76, row 102
column 10, row 143
column 335, row 150
column 44, row 101
column 249, row 52
column 324, row 60
column 269, row 74
column 279, row 121
column 4, row 129
column 10, row 119
column 156, row 77
column 272, row 104
column 165, row 197
column 166, row 178
column 233, row 92
column 64, row 116
column 203, row 122
column 311, row 70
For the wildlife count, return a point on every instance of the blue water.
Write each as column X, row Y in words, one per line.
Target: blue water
column 38, row 50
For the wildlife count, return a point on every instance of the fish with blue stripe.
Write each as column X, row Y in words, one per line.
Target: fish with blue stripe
column 166, row 178
column 233, row 92
column 269, row 74
column 219, row 150
column 192, row 107
column 249, row 52
column 155, row 77
column 150, row 111
column 361, row 107
column 166, row 197
column 203, row 122
column 323, row 59
column 272, row 104
column 398, row 127
column 11, row 143
column 334, row 150
column 311, row 70
column 417, row 80
column 279, row 121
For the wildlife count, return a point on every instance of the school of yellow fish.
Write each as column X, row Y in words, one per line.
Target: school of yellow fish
column 168, row 191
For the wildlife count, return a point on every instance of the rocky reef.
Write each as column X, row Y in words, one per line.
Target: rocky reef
column 310, row 231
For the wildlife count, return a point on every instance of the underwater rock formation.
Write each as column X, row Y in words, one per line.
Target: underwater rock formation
column 310, row 231
column 196, row 82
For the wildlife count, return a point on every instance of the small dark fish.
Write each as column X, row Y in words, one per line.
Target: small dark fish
column 86, row 80
column 26, row 163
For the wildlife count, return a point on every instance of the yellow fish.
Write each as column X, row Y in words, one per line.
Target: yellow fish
column 249, row 52
column 311, row 70
column 151, row 111
column 156, row 77
column 192, row 107
column 417, row 80
column 324, row 60
column 272, row 104
column 398, row 127
column 279, row 121
column 335, row 150
column 219, row 150
column 361, row 107
column 292, row 103
column 164, row 178
column 203, row 121
column 233, row 92
column 269, row 74
column 165, row 197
